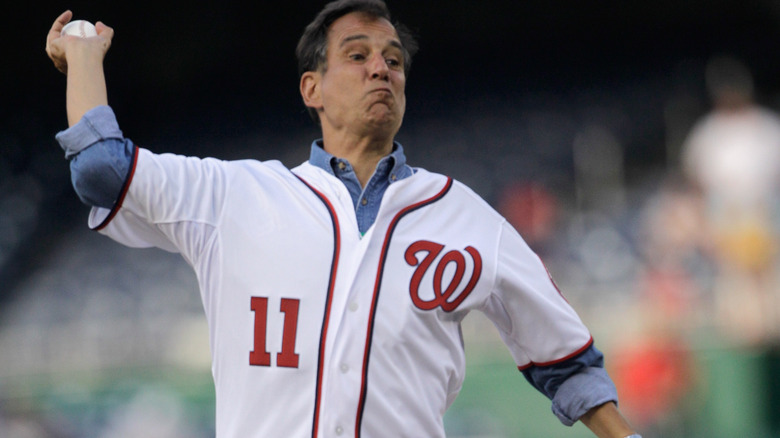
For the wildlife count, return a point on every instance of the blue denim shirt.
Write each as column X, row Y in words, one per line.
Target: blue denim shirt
column 100, row 159
column 366, row 200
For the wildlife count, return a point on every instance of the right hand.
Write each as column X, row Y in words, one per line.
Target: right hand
column 60, row 47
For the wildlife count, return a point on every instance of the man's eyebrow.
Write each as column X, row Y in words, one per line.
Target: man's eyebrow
column 353, row 38
column 395, row 43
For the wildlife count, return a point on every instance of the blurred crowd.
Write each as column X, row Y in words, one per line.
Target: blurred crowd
column 709, row 247
column 679, row 258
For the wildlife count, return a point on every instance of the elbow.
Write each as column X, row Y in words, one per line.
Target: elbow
column 98, row 172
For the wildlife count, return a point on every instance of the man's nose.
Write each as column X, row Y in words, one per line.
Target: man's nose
column 378, row 68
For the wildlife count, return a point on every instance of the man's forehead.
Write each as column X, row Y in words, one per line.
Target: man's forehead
column 358, row 25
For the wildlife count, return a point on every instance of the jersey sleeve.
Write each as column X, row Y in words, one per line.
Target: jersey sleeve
column 533, row 318
column 546, row 337
column 169, row 201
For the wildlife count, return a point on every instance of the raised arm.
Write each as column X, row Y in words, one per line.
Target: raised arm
column 98, row 173
column 81, row 59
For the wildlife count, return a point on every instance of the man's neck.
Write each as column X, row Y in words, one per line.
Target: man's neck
column 363, row 153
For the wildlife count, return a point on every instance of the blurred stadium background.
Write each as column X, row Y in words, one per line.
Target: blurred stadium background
column 569, row 117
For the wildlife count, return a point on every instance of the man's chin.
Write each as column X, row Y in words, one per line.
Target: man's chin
column 385, row 123
column 381, row 113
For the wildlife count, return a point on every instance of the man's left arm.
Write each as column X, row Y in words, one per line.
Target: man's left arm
column 606, row 421
column 581, row 389
column 550, row 344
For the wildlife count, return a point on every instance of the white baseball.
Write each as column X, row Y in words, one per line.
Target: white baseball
column 79, row 28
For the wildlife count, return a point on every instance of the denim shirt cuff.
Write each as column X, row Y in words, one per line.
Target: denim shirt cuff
column 581, row 392
column 98, row 124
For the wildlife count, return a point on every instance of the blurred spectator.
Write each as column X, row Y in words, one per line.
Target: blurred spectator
column 654, row 364
column 654, row 375
column 531, row 209
column 672, row 242
column 732, row 156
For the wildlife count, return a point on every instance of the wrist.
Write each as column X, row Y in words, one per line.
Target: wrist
column 88, row 55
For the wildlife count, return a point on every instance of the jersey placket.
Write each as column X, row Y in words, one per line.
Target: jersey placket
column 346, row 376
column 343, row 353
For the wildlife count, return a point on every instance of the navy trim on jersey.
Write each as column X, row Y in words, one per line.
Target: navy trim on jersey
column 328, row 301
column 377, row 286
column 122, row 193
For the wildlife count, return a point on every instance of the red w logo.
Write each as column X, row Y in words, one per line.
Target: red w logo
column 441, row 297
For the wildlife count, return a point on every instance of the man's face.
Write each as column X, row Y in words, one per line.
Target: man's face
column 362, row 87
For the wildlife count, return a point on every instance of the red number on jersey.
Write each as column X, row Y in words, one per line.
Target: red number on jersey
column 288, row 358
column 260, row 355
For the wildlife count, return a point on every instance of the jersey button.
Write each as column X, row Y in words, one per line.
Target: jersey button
column 364, row 201
column 353, row 306
column 344, row 368
column 339, row 430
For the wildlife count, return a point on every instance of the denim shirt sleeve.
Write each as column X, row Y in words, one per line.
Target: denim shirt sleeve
column 575, row 385
column 100, row 157
column 98, row 124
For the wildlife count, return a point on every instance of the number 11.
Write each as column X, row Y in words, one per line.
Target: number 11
column 260, row 355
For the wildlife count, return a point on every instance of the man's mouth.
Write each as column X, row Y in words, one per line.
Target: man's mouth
column 382, row 90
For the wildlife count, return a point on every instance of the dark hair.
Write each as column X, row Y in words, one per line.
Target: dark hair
column 312, row 47
column 726, row 74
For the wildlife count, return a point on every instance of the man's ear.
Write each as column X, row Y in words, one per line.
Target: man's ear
column 310, row 89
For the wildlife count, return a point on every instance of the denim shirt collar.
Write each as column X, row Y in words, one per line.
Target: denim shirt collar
column 366, row 199
column 392, row 166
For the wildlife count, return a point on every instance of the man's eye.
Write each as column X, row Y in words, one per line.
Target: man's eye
column 392, row 62
column 357, row 57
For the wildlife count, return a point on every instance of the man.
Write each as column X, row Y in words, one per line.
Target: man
column 731, row 160
column 333, row 291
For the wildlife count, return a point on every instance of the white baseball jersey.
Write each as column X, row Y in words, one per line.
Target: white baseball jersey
column 317, row 331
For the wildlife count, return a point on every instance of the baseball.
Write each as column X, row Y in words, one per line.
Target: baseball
column 79, row 28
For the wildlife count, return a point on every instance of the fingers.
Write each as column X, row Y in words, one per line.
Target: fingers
column 56, row 28
column 56, row 45
column 64, row 17
column 101, row 28
column 105, row 32
column 54, row 50
column 59, row 23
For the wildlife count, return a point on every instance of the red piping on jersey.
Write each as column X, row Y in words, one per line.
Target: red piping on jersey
column 377, row 286
column 328, row 300
column 549, row 275
column 557, row 361
column 122, row 194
